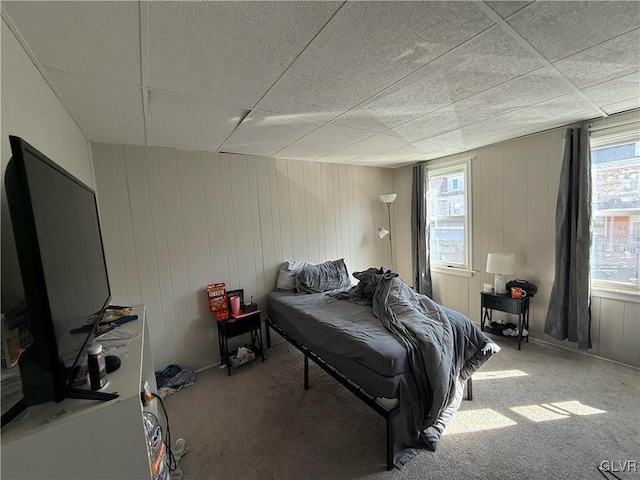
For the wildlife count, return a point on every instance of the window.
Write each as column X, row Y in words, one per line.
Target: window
column 448, row 207
column 615, row 214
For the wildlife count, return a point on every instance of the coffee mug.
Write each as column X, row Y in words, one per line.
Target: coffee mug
column 517, row 292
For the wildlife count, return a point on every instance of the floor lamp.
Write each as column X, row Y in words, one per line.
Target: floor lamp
column 388, row 198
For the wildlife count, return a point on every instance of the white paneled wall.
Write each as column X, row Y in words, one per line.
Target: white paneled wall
column 515, row 187
column 32, row 111
column 175, row 221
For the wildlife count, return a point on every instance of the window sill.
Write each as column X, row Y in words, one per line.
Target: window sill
column 616, row 294
column 460, row 272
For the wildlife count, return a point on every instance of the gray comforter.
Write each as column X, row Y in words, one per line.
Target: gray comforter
column 444, row 349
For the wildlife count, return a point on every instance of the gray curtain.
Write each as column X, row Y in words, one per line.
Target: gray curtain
column 420, row 232
column 568, row 315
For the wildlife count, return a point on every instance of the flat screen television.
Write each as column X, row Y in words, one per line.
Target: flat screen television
column 64, row 275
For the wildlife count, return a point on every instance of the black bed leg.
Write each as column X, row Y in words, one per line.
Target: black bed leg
column 267, row 331
column 390, row 441
column 469, row 389
column 306, row 372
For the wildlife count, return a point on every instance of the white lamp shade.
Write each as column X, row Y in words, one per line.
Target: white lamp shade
column 502, row 263
column 389, row 197
column 383, row 232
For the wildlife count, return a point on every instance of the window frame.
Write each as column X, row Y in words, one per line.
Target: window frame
column 602, row 139
column 443, row 168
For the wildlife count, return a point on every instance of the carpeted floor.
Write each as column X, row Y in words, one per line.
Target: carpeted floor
column 538, row 413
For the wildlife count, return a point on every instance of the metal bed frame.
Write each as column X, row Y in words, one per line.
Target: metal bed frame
column 388, row 414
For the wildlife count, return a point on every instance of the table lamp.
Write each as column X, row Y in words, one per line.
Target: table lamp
column 501, row 264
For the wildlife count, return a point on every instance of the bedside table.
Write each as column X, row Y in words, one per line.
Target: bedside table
column 246, row 323
column 505, row 303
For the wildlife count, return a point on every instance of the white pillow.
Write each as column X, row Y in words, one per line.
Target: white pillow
column 287, row 274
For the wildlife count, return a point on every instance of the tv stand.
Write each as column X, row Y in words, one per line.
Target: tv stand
column 88, row 438
column 91, row 394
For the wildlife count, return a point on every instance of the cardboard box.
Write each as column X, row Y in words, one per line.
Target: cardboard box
column 217, row 297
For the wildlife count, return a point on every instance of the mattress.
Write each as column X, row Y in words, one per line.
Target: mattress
column 344, row 334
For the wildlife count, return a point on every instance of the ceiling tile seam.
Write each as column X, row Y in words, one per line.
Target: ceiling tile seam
column 202, row 99
column 613, row 79
column 94, row 77
column 391, row 85
column 518, row 10
column 398, row 148
column 36, row 63
column 325, row 124
column 143, row 29
column 567, row 125
column 477, row 147
column 463, row 99
column 524, row 43
column 361, row 156
column 228, row 136
column 596, row 45
column 299, row 54
column 425, row 139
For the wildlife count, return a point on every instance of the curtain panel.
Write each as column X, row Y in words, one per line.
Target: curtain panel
column 420, row 232
column 569, row 313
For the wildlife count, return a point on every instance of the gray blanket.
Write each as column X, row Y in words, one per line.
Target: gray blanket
column 444, row 348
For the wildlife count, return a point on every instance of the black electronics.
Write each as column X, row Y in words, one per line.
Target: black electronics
column 112, row 363
column 64, row 275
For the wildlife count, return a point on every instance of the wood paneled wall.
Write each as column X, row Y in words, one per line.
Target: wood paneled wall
column 514, row 188
column 175, row 221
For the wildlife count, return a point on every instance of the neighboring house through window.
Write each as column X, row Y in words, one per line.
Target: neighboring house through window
column 615, row 215
column 448, row 203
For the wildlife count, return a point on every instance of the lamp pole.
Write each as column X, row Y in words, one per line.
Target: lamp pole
column 390, row 244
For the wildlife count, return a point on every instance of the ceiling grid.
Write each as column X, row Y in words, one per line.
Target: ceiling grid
column 367, row 83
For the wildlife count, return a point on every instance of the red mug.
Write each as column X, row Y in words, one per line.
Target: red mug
column 517, row 292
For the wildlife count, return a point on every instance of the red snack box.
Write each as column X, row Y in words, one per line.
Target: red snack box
column 217, row 296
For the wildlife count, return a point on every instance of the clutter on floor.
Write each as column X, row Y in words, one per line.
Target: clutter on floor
column 173, row 378
column 506, row 329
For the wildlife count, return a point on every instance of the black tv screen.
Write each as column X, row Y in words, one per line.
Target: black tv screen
column 59, row 244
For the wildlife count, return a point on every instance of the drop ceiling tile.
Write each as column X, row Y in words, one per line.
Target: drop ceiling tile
column 109, row 112
column 506, row 8
column 609, row 60
column 262, row 133
column 564, row 120
column 534, row 87
column 399, row 154
column 429, row 125
column 370, row 146
column 487, row 60
column 616, row 90
column 560, row 29
column 366, row 47
column 322, row 141
column 539, row 116
column 616, row 95
column 189, row 123
column 228, row 51
column 622, row 106
column 100, row 39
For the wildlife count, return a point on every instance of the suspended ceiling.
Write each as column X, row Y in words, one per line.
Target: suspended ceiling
column 370, row 83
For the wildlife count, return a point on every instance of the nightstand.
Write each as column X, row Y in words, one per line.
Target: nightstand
column 239, row 325
column 505, row 303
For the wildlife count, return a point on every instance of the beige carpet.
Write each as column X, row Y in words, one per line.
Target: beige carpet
column 539, row 413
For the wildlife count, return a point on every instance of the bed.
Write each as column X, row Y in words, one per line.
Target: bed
column 351, row 339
